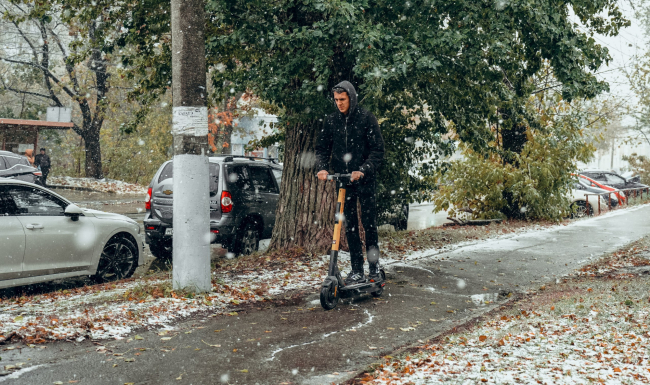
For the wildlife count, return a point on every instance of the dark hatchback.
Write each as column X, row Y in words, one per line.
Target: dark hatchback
column 614, row 180
column 14, row 166
column 242, row 204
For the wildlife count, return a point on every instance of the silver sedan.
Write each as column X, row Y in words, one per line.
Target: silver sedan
column 43, row 237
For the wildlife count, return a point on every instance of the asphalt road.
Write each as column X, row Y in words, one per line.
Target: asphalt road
column 298, row 342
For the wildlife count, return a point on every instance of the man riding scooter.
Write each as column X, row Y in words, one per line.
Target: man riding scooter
column 352, row 138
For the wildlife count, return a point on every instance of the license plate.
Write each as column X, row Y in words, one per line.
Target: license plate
column 169, row 231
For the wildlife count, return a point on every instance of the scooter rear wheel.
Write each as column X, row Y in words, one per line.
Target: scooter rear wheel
column 380, row 291
column 329, row 295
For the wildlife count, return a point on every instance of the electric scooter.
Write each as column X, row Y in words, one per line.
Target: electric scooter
column 334, row 286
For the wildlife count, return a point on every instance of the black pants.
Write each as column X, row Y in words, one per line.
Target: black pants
column 44, row 171
column 366, row 197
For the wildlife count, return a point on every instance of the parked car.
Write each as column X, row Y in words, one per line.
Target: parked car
column 579, row 206
column 18, row 167
column 611, row 191
column 614, row 180
column 243, row 197
column 46, row 237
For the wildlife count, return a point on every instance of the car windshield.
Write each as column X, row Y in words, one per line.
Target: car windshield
column 614, row 179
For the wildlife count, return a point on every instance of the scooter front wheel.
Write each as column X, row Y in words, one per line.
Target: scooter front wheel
column 329, row 294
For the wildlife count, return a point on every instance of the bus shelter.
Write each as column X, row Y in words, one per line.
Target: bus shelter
column 18, row 135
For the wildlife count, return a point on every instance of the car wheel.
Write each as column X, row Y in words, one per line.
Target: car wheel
column 247, row 240
column 580, row 209
column 161, row 250
column 119, row 260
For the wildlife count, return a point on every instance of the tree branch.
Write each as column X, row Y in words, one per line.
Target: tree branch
column 31, row 93
column 46, row 72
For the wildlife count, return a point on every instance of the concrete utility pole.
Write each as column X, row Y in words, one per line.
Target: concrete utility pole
column 191, row 258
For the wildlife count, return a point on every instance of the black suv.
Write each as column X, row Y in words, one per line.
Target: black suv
column 243, row 197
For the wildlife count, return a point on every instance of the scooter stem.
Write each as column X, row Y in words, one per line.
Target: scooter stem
column 338, row 219
column 336, row 242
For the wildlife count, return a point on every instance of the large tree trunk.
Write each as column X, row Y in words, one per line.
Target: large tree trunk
column 305, row 213
column 93, row 155
column 514, row 139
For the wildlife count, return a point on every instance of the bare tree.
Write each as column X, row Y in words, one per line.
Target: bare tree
column 70, row 71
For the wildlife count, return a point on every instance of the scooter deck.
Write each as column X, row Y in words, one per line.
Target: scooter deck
column 359, row 288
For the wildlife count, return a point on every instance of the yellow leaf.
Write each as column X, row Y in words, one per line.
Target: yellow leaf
column 244, row 370
column 137, row 337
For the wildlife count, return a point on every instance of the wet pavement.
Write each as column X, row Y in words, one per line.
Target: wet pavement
column 299, row 343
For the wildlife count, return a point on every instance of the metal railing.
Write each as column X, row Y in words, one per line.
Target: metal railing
column 627, row 194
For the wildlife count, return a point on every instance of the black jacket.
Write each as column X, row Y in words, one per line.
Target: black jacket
column 42, row 160
column 357, row 135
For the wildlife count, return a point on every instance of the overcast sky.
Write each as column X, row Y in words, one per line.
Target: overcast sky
column 623, row 49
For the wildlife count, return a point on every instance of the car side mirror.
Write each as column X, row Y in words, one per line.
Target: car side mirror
column 73, row 211
column 636, row 179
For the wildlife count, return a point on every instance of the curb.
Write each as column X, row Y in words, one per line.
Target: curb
column 61, row 187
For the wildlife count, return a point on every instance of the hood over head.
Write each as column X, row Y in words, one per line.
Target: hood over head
column 29, row 152
column 352, row 93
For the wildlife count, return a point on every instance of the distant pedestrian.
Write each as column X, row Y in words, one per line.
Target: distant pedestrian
column 42, row 161
column 29, row 154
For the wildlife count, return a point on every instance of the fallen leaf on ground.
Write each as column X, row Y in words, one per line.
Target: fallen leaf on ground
column 214, row 346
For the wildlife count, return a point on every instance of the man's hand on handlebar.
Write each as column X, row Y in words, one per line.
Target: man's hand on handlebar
column 356, row 175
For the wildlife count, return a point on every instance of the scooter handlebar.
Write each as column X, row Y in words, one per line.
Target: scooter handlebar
column 339, row 177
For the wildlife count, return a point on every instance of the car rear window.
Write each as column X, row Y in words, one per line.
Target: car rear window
column 11, row 161
column 168, row 172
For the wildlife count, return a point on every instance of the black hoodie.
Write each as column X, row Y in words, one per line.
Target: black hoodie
column 356, row 134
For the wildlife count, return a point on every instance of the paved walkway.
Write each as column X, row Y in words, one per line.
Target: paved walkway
column 301, row 343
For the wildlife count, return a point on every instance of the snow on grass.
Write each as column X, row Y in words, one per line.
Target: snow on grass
column 534, row 347
column 101, row 185
column 589, row 330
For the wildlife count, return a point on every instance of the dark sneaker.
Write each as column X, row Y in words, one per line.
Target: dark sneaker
column 375, row 273
column 355, row 277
